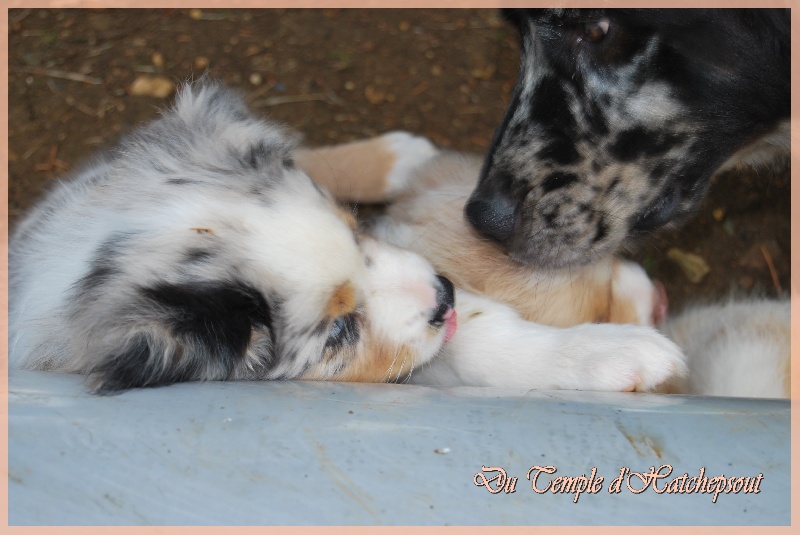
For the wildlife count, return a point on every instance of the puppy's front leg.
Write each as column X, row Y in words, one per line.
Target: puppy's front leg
column 494, row 346
column 372, row 170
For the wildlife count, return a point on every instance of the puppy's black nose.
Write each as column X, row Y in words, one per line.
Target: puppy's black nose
column 492, row 214
column 445, row 299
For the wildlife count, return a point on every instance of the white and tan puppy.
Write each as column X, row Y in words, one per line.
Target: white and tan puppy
column 427, row 189
column 733, row 348
column 508, row 312
column 197, row 250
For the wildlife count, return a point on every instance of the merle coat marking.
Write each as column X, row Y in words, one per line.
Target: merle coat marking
column 620, row 118
column 196, row 250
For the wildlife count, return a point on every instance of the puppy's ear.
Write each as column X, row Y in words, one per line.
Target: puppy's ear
column 268, row 157
column 186, row 332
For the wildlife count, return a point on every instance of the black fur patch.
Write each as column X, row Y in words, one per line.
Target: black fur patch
column 211, row 325
column 197, row 255
column 134, row 367
column 561, row 151
column 221, row 316
column 596, row 120
column 258, row 155
column 550, row 216
column 102, row 271
column 660, row 170
column 602, row 231
column 639, row 141
column 558, row 180
column 181, row 181
column 550, row 107
column 103, row 266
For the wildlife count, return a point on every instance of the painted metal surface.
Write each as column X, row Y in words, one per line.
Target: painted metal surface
column 289, row 453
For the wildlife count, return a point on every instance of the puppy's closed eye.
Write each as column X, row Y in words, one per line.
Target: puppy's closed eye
column 344, row 331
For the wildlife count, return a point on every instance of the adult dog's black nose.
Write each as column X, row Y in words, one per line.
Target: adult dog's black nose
column 491, row 214
column 445, row 300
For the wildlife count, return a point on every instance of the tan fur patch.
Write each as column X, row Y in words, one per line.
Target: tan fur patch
column 371, row 362
column 435, row 200
column 378, row 363
column 352, row 172
column 342, row 302
column 348, row 217
column 562, row 299
column 621, row 311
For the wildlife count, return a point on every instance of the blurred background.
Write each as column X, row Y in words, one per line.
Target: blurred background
column 79, row 79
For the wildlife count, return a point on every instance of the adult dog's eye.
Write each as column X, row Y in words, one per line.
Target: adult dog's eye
column 344, row 330
column 594, row 31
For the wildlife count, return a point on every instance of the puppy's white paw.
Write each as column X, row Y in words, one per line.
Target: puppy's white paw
column 410, row 152
column 628, row 358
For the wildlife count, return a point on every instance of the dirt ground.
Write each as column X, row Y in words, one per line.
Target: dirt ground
column 336, row 75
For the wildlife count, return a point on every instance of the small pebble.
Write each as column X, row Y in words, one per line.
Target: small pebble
column 692, row 265
column 151, row 86
column 374, row 96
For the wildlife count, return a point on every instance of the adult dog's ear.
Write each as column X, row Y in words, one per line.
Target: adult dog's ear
column 514, row 16
column 517, row 17
column 185, row 332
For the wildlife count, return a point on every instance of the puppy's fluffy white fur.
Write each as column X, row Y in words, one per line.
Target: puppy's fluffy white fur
column 199, row 251
column 495, row 346
column 736, row 348
column 739, row 348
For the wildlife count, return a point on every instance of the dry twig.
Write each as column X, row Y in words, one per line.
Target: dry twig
column 73, row 76
column 772, row 271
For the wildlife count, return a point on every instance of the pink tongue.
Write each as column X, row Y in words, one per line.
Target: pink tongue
column 450, row 324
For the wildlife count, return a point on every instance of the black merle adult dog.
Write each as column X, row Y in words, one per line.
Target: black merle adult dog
column 620, row 118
